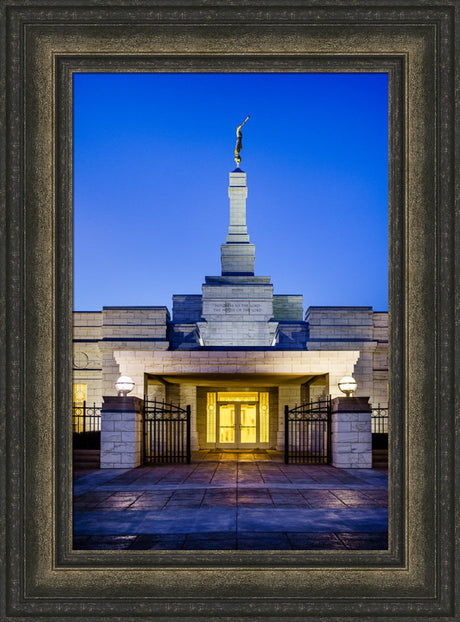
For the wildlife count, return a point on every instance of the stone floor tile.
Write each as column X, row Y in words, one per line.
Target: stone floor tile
column 113, row 505
column 124, row 497
column 84, row 505
column 93, row 496
column 79, row 542
column 354, row 498
column 186, row 520
column 163, row 545
column 217, row 501
column 314, row 519
column 184, row 505
column 173, row 501
column 325, row 502
column 157, row 541
column 155, row 496
column 365, row 540
column 147, row 506
column 263, row 541
column 110, row 542
column 255, row 504
column 214, row 542
column 315, row 541
column 294, row 497
column 290, row 505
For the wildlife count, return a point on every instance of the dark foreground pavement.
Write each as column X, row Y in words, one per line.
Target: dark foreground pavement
column 244, row 501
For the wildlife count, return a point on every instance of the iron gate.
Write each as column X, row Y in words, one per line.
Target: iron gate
column 308, row 433
column 166, row 432
column 86, row 426
column 380, row 427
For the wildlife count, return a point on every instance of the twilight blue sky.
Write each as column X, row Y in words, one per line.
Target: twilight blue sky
column 152, row 153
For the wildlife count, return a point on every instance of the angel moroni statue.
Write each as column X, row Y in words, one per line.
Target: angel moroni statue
column 239, row 144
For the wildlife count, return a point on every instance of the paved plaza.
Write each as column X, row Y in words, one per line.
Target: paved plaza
column 231, row 500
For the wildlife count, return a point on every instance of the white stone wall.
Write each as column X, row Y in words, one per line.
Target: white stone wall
column 379, row 393
column 188, row 398
column 346, row 328
column 93, row 381
column 186, row 308
column 359, row 334
column 156, row 390
column 97, row 334
column 135, row 323
column 87, row 325
column 87, row 357
column 288, row 395
column 300, row 363
column 238, row 258
column 238, row 333
column 318, row 389
column 288, row 307
column 290, row 369
column 237, row 315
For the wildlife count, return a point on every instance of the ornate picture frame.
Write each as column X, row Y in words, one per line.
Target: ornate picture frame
column 43, row 44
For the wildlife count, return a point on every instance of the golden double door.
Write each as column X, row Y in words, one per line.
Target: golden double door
column 238, row 425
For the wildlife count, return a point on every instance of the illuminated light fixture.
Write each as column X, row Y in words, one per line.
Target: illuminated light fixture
column 347, row 385
column 124, row 385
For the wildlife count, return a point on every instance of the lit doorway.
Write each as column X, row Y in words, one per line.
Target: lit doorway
column 237, row 426
column 238, row 420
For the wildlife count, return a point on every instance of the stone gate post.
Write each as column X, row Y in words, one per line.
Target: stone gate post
column 121, row 432
column 351, row 433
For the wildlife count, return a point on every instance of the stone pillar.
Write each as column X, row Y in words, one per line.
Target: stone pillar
column 121, row 432
column 351, row 433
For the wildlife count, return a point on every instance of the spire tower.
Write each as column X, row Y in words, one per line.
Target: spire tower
column 237, row 306
column 237, row 254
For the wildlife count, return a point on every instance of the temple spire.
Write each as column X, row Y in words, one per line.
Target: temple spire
column 237, row 254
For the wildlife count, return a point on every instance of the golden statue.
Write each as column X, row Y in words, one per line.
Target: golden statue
column 239, row 144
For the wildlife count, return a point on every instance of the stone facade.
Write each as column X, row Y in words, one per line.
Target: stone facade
column 236, row 335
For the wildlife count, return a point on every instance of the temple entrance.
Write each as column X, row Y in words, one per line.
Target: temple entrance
column 238, row 426
column 238, row 419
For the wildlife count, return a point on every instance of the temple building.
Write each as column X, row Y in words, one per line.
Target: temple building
column 237, row 353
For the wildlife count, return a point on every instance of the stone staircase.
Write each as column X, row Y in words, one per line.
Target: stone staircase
column 86, row 458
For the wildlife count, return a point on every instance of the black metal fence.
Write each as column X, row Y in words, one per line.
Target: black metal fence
column 308, row 433
column 380, row 427
column 166, row 433
column 86, row 426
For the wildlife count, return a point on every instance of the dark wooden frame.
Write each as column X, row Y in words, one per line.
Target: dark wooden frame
column 43, row 42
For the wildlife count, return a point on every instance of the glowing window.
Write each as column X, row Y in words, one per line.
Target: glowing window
column 211, row 418
column 248, row 423
column 79, row 393
column 227, row 423
column 264, row 419
column 233, row 396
